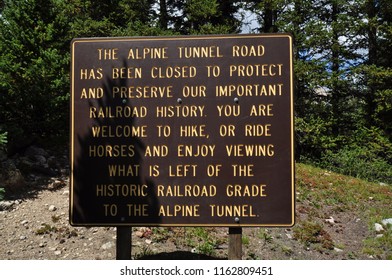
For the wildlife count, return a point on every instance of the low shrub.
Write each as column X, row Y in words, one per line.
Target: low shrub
column 358, row 162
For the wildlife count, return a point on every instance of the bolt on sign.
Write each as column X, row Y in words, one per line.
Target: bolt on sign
column 182, row 131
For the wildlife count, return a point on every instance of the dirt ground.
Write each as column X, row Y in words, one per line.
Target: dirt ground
column 36, row 226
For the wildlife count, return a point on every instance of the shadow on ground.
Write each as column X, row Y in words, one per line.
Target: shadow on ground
column 179, row 255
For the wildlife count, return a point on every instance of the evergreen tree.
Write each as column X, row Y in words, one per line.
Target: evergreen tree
column 376, row 72
column 35, row 36
column 342, row 61
column 33, row 68
column 199, row 16
column 326, row 54
column 268, row 13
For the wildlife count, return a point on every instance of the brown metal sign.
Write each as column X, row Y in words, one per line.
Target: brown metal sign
column 182, row 131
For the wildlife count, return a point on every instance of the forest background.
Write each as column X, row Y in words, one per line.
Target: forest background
column 342, row 51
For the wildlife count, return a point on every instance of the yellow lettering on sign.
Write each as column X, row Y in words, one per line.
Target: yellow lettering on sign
column 107, row 54
column 142, row 92
column 257, row 130
column 117, row 112
column 108, row 131
column 243, row 170
column 173, row 72
column 179, row 210
column 137, row 210
column 180, row 111
column 194, row 91
column 199, row 52
column 243, row 150
column 245, row 190
column 186, row 190
column 91, row 93
column 91, row 74
column 244, row 210
column 192, row 130
column 261, row 110
column 150, row 53
column 249, row 90
column 131, row 170
column 156, row 151
column 127, row 73
column 182, row 170
column 111, row 151
column 195, row 150
column 256, row 70
column 244, row 50
column 228, row 110
column 118, row 190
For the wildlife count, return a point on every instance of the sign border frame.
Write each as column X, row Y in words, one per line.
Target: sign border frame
column 174, row 38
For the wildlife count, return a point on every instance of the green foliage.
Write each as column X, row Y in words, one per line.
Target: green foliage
column 379, row 246
column 35, row 37
column 205, row 17
column 59, row 232
column 45, row 229
column 2, row 193
column 368, row 156
column 145, row 252
column 265, row 236
column 342, row 62
column 314, row 137
column 34, row 66
column 3, row 143
column 200, row 11
column 310, row 232
column 205, row 243
column 3, row 140
column 245, row 240
column 357, row 162
column 342, row 85
column 338, row 193
column 383, row 110
column 160, row 234
column 34, row 70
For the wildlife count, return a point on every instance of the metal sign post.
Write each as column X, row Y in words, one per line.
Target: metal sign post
column 124, row 243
